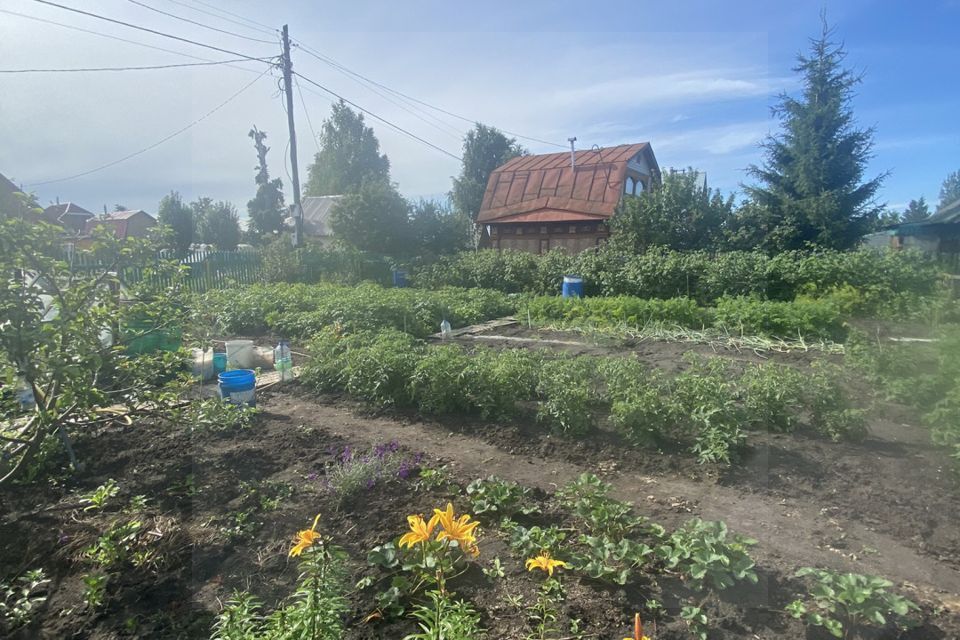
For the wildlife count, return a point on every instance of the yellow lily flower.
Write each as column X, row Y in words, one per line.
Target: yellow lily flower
column 637, row 629
column 545, row 563
column 305, row 539
column 420, row 531
column 460, row 530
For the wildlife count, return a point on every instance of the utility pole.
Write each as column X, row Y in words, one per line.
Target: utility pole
column 288, row 89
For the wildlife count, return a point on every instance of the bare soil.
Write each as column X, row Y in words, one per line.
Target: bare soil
column 889, row 506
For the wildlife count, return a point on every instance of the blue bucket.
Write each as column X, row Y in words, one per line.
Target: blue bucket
column 572, row 287
column 239, row 386
column 219, row 362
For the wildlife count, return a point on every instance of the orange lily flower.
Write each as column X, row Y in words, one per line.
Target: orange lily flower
column 637, row 629
column 305, row 539
column 460, row 530
column 420, row 531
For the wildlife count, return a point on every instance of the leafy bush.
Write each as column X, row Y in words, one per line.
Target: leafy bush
column 566, row 394
column 842, row 603
column 703, row 276
column 773, row 396
column 830, row 411
column 704, row 401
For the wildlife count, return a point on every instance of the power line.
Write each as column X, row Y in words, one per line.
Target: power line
column 383, row 120
column 306, row 112
column 117, row 38
column 433, row 121
column 144, row 68
column 330, row 61
column 199, row 24
column 161, row 141
column 262, row 28
column 146, row 29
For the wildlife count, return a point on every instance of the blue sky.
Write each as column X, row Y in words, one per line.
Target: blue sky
column 696, row 79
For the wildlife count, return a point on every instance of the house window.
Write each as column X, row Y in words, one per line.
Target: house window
column 629, row 185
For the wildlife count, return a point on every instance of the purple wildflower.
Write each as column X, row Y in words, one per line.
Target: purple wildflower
column 404, row 471
column 312, row 476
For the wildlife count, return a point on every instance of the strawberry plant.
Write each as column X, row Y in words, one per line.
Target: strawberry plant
column 704, row 555
column 845, row 603
column 495, row 496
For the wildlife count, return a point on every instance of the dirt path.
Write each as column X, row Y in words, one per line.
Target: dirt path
column 790, row 534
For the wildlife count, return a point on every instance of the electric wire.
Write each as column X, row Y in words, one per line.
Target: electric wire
column 262, row 28
column 331, row 62
column 199, row 24
column 159, row 142
column 118, row 38
column 145, row 29
column 143, row 68
column 381, row 119
column 306, row 112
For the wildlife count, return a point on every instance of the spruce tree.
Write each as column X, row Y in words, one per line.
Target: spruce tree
column 811, row 187
column 916, row 211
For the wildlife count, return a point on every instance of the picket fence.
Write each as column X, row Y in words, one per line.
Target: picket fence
column 204, row 269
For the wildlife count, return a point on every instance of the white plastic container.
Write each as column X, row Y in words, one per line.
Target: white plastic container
column 283, row 361
column 445, row 330
column 240, row 354
column 203, row 364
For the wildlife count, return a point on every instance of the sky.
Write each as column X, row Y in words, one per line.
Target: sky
column 694, row 78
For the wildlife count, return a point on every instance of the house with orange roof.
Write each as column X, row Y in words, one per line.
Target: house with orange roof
column 538, row 203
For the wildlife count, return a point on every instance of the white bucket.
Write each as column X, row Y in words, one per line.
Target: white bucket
column 203, row 364
column 240, row 354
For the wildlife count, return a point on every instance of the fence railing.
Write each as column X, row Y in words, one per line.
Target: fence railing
column 204, row 269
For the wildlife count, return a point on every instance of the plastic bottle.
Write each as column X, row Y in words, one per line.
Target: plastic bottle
column 25, row 397
column 445, row 331
column 283, row 361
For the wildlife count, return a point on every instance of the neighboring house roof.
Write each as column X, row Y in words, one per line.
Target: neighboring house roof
column 546, row 188
column 68, row 215
column 126, row 214
column 950, row 212
column 7, row 185
column 119, row 221
column 316, row 215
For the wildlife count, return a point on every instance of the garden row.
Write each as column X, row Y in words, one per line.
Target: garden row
column 801, row 318
column 705, row 409
column 870, row 282
column 921, row 375
column 578, row 532
column 301, row 310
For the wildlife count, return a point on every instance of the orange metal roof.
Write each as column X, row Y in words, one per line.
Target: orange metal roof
column 545, row 188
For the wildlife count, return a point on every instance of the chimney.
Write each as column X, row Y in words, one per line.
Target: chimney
column 573, row 157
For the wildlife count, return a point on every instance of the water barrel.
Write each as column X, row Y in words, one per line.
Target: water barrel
column 240, row 354
column 572, row 287
column 239, row 386
column 219, row 362
column 399, row 279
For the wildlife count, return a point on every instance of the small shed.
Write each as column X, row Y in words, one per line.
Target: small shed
column 563, row 200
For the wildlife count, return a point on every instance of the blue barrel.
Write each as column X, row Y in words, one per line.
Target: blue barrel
column 239, row 386
column 399, row 278
column 219, row 362
column 572, row 287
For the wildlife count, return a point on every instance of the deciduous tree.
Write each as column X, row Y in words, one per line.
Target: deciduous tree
column 177, row 215
column 811, row 186
column 683, row 213
column 217, row 223
column 349, row 156
column 266, row 210
column 376, row 218
column 484, row 149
